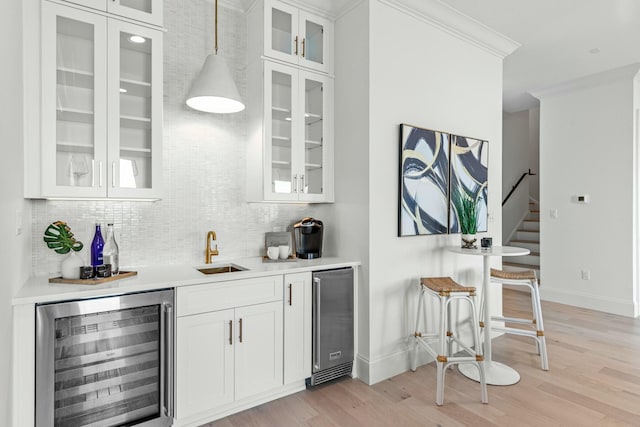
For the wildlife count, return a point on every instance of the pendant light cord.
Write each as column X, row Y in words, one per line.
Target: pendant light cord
column 216, row 31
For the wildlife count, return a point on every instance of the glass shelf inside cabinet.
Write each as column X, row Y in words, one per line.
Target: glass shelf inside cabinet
column 72, row 77
column 281, row 141
column 279, row 113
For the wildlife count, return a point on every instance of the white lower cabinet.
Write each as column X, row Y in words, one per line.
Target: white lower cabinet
column 297, row 327
column 230, row 354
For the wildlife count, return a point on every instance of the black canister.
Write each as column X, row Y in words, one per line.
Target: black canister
column 308, row 238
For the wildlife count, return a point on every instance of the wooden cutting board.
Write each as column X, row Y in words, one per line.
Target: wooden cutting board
column 94, row 281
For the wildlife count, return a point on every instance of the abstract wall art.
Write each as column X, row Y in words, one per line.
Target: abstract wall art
column 435, row 167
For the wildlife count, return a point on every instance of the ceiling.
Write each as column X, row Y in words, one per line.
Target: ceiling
column 561, row 40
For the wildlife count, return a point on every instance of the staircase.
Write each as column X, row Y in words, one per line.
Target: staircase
column 527, row 236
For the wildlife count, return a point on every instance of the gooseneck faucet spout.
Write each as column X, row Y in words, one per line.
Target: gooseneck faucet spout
column 210, row 253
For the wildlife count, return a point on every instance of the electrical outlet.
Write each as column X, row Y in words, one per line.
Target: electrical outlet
column 491, row 218
column 586, row 275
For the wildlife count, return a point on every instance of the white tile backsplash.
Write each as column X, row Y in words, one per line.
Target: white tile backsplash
column 204, row 166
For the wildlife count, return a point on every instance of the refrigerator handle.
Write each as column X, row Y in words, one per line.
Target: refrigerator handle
column 316, row 322
column 168, row 313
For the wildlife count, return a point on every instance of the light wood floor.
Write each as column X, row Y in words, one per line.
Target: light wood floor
column 594, row 380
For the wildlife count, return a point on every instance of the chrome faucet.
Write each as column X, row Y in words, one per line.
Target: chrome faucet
column 210, row 253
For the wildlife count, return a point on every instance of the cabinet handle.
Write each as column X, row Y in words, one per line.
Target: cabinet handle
column 113, row 174
column 240, row 329
column 295, row 183
column 93, row 173
column 230, row 332
column 296, row 40
column 100, row 173
column 303, row 44
column 168, row 313
column 290, row 293
column 302, row 183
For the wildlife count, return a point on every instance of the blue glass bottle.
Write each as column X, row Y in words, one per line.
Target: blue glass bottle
column 96, row 247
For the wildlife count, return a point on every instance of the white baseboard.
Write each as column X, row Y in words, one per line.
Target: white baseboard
column 617, row 306
column 383, row 368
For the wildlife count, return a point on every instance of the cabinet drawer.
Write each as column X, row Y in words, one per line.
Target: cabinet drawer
column 222, row 295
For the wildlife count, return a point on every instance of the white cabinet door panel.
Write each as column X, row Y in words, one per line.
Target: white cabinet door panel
column 204, row 362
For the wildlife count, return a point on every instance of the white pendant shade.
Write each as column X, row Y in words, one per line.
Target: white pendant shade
column 214, row 90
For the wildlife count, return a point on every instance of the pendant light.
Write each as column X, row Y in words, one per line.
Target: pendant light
column 214, row 90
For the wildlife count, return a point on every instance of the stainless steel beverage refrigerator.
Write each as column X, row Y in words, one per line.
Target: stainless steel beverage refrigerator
column 105, row 361
column 333, row 347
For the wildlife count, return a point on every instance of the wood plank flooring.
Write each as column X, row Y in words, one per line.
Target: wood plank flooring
column 594, row 380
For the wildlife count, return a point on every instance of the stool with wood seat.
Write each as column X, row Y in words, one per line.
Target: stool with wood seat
column 447, row 291
column 523, row 278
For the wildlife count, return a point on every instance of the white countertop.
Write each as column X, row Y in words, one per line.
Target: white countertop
column 39, row 290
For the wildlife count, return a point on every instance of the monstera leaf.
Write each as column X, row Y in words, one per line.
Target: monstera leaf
column 58, row 236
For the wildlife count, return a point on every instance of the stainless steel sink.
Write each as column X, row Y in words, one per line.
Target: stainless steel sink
column 218, row 269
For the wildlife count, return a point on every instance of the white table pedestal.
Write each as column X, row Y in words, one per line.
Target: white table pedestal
column 495, row 373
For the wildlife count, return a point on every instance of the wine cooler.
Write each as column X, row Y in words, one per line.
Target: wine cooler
column 105, row 362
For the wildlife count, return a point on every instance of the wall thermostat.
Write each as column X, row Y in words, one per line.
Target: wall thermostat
column 583, row 198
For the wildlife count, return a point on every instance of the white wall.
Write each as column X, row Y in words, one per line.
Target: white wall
column 422, row 75
column 587, row 147
column 15, row 252
column 204, row 164
column 515, row 161
column 534, row 152
column 352, row 166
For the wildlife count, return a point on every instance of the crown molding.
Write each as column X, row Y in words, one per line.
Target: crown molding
column 628, row 72
column 456, row 23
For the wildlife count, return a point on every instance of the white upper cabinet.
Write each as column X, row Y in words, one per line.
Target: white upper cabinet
column 290, row 155
column 101, row 106
column 149, row 11
column 298, row 37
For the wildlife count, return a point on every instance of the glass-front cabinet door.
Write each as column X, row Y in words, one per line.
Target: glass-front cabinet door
column 316, row 141
column 74, row 92
column 297, row 37
column 141, row 10
column 101, row 106
column 149, row 11
column 297, row 134
column 135, row 110
column 281, row 88
column 315, row 34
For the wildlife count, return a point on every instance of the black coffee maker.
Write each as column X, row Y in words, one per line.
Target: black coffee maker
column 308, row 238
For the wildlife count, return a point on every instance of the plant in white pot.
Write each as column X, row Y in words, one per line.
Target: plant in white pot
column 58, row 236
column 467, row 209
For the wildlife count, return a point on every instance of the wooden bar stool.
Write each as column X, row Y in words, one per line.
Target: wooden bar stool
column 447, row 291
column 523, row 278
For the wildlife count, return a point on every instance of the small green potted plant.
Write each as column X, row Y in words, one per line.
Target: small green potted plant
column 467, row 209
column 58, row 236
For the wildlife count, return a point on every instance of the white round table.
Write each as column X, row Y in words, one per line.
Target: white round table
column 496, row 373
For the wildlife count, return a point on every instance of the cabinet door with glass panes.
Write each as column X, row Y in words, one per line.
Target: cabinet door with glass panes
column 74, row 102
column 296, row 36
column 134, row 110
column 149, row 11
column 315, row 147
column 297, row 135
column 101, row 106
column 281, row 130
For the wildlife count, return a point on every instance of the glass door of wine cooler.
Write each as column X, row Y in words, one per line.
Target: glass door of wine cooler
column 105, row 362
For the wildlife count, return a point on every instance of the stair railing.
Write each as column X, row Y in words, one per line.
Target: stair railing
column 528, row 173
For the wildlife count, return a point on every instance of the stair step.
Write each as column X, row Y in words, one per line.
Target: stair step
column 528, row 235
column 532, row 245
column 520, row 265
